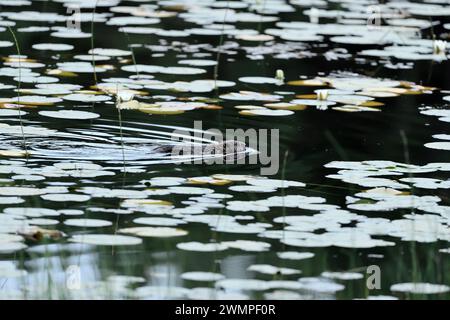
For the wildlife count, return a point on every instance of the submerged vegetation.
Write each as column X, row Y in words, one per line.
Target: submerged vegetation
column 358, row 91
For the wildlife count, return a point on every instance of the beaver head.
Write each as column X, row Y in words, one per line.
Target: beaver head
column 229, row 149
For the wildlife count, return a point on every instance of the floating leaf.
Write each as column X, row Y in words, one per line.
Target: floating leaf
column 70, row 114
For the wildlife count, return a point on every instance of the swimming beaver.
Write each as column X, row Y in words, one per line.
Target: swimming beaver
column 229, row 149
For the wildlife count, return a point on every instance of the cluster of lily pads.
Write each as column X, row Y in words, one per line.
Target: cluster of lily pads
column 426, row 220
column 401, row 29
